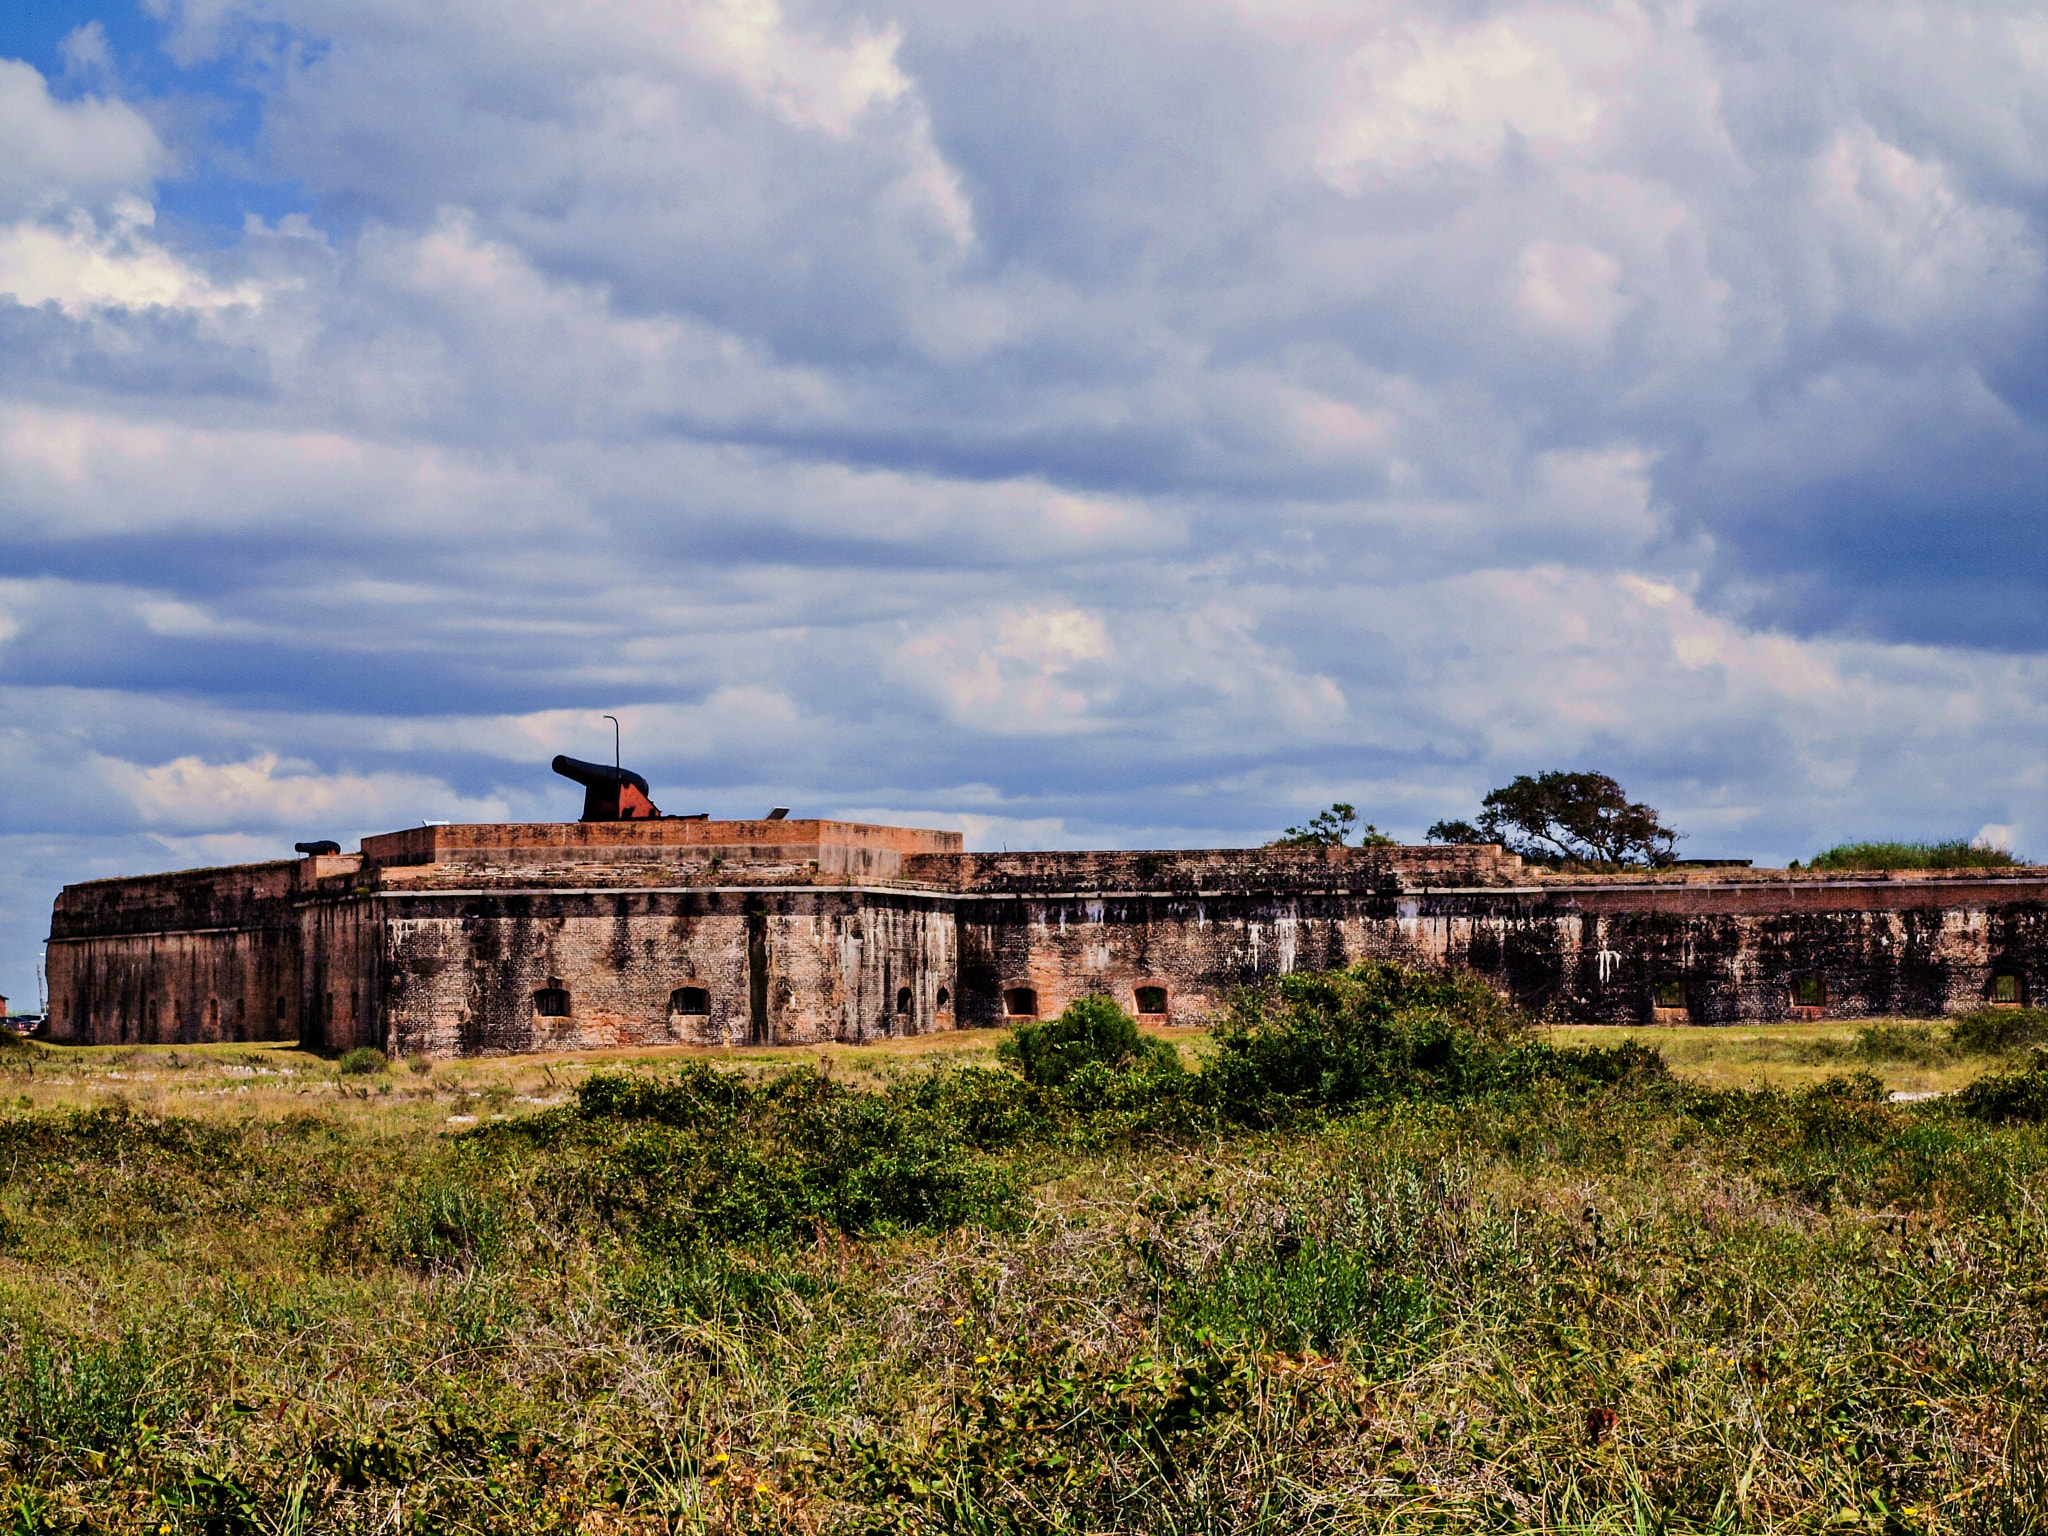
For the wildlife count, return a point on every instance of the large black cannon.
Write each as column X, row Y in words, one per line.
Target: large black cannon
column 609, row 794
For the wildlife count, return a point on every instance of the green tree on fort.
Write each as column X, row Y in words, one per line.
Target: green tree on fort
column 1332, row 829
column 1566, row 818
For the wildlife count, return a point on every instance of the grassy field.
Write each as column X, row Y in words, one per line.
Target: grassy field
column 270, row 1080
column 1910, row 1055
column 1378, row 1262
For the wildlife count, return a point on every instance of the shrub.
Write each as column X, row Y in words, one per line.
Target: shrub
column 1333, row 1039
column 1092, row 1031
column 1996, row 1031
column 1053, row 1439
column 1955, row 853
column 1348, row 1267
column 1913, row 1043
column 2008, row 1096
column 713, row 1157
column 361, row 1061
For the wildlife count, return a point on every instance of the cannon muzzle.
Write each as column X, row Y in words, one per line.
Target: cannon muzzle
column 609, row 794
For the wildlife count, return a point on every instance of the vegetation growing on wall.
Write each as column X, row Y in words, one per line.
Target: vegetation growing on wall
column 1382, row 1260
column 1955, row 853
column 1332, row 829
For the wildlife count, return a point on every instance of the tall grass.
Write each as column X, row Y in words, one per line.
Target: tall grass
column 1382, row 1262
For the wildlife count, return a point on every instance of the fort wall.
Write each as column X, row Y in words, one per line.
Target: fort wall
column 452, row 941
column 467, row 972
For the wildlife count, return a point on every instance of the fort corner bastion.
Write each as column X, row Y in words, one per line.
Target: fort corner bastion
column 466, row 940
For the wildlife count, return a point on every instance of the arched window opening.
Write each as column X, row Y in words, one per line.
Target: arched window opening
column 696, row 1000
column 1020, row 1003
column 903, row 999
column 551, row 1003
column 2006, row 991
column 945, row 998
column 1151, row 999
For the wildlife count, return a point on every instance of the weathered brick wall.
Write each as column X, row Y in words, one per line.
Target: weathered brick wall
column 199, row 956
column 446, row 958
column 1876, row 949
column 1914, row 960
column 1198, row 949
column 463, row 969
column 175, row 988
column 834, row 847
column 344, row 975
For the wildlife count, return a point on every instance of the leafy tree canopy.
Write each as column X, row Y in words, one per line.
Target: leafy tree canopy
column 1332, row 829
column 1558, row 817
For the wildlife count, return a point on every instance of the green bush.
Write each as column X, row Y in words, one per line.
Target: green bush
column 705, row 1156
column 1955, row 853
column 1092, row 1031
column 2004, row 1097
column 1349, row 1267
column 1997, row 1031
column 714, row 1157
column 362, row 1061
column 1915, row 1044
column 1055, row 1439
column 1332, row 1039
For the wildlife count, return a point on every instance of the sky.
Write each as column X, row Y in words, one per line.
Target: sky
column 1079, row 426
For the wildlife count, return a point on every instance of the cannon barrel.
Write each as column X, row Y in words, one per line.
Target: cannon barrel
column 609, row 794
column 598, row 775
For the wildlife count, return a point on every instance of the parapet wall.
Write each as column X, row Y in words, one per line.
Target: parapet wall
column 191, row 901
column 1214, row 870
column 830, row 847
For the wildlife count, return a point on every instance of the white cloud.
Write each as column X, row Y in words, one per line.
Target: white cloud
column 1025, row 672
column 87, row 265
column 79, row 151
column 1905, row 245
column 1423, row 93
column 808, row 80
column 191, row 795
column 1572, row 291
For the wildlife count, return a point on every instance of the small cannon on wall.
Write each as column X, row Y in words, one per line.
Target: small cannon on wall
column 609, row 794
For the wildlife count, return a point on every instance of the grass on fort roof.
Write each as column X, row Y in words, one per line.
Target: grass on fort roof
column 1951, row 853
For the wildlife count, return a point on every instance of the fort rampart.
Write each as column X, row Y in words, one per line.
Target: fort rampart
column 487, row 939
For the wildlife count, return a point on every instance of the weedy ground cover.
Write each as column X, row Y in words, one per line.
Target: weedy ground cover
column 1377, row 1258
